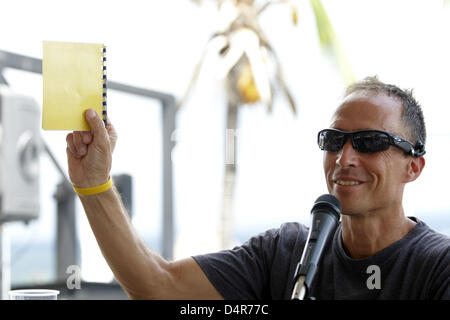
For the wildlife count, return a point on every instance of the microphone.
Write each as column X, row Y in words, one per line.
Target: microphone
column 326, row 213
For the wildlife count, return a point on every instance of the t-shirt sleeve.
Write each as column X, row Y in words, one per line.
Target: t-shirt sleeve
column 242, row 273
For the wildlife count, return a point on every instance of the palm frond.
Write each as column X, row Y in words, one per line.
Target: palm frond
column 330, row 42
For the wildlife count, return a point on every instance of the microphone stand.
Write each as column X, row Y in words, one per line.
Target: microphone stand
column 300, row 288
column 299, row 292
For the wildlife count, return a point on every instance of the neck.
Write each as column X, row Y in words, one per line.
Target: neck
column 365, row 235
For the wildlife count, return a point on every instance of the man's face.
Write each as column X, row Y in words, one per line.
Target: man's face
column 366, row 182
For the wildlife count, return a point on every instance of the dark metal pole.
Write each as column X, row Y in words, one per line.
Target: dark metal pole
column 66, row 235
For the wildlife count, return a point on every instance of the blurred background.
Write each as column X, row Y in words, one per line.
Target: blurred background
column 243, row 153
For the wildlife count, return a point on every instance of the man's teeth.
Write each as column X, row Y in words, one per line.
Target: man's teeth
column 347, row 183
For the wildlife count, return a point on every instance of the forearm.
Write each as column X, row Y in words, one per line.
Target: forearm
column 139, row 270
column 142, row 273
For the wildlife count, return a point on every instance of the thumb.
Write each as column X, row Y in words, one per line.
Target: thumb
column 95, row 122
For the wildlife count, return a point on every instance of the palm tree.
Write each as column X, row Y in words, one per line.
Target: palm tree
column 246, row 54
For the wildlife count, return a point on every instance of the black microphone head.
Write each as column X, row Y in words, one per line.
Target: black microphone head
column 328, row 202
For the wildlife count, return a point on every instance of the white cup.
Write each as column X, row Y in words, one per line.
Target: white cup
column 33, row 294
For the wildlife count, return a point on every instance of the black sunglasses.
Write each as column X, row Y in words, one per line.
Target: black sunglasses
column 367, row 141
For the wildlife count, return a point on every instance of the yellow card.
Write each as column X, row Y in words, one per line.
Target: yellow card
column 74, row 79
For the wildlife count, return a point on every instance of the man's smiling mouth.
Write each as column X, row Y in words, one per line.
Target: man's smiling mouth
column 347, row 183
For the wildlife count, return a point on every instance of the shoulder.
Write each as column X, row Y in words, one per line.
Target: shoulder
column 287, row 235
column 293, row 232
column 276, row 243
column 290, row 239
column 429, row 252
column 433, row 250
column 428, row 242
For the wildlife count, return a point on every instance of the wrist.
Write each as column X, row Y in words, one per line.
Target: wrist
column 95, row 189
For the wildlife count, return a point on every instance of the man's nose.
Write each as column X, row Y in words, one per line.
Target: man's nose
column 347, row 156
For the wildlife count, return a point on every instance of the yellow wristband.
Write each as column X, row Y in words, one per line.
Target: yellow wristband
column 94, row 190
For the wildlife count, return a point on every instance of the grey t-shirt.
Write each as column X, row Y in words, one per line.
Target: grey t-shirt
column 414, row 267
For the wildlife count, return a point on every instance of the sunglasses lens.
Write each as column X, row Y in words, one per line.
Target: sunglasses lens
column 369, row 142
column 331, row 140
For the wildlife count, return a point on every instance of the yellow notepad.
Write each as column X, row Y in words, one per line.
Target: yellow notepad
column 74, row 79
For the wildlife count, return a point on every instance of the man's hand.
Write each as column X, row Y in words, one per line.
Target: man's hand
column 89, row 154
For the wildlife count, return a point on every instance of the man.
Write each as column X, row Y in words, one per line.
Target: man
column 374, row 147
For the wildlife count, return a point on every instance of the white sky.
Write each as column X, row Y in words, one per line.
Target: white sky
column 155, row 44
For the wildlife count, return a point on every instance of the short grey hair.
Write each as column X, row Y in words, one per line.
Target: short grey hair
column 412, row 114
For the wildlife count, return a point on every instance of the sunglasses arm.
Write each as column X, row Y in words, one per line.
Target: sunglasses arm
column 416, row 151
column 419, row 149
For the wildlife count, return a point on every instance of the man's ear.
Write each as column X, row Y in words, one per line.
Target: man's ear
column 414, row 169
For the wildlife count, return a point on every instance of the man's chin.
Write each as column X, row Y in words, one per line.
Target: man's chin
column 350, row 203
column 349, row 207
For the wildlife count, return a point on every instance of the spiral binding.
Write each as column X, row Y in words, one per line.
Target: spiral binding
column 104, row 86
